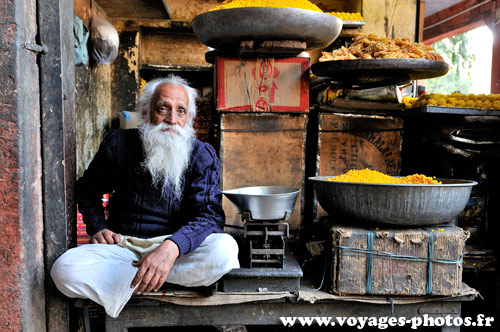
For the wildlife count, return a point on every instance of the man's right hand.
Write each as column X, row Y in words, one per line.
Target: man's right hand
column 105, row 236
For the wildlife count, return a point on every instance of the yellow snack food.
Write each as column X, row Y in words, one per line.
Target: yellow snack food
column 301, row 4
column 490, row 101
column 370, row 176
column 345, row 16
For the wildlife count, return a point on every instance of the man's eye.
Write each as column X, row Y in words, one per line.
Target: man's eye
column 162, row 109
column 182, row 110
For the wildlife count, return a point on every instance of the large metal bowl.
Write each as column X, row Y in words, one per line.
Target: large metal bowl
column 226, row 28
column 264, row 202
column 394, row 204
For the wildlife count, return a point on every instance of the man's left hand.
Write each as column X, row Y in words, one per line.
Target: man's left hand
column 155, row 267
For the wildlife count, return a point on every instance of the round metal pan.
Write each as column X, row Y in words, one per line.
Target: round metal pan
column 394, row 204
column 226, row 28
column 379, row 72
column 264, row 202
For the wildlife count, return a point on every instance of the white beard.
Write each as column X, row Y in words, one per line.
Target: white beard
column 167, row 153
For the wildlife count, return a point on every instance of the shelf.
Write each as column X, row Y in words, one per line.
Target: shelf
column 184, row 68
column 454, row 110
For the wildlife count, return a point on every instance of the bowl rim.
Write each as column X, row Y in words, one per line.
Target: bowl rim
column 235, row 191
column 454, row 182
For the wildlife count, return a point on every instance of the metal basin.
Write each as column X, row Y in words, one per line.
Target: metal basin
column 226, row 28
column 394, row 204
column 264, row 202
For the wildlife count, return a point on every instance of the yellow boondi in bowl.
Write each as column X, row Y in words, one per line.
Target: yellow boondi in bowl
column 373, row 197
column 370, row 176
column 301, row 4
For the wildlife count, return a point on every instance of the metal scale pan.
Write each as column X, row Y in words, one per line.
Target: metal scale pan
column 379, row 72
column 226, row 28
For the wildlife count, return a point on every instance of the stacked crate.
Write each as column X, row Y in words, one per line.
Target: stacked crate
column 379, row 259
column 263, row 105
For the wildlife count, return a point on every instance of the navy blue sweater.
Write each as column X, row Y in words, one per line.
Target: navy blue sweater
column 136, row 207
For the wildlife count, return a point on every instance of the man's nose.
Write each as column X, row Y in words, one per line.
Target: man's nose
column 171, row 117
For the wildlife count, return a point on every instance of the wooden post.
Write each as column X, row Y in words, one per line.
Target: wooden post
column 22, row 300
column 57, row 101
column 495, row 66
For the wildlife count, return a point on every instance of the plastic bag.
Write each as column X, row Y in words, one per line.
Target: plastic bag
column 81, row 35
column 104, row 41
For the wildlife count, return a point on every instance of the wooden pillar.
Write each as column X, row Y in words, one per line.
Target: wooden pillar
column 495, row 66
column 57, row 89
column 419, row 33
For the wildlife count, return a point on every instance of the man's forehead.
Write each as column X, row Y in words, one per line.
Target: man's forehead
column 167, row 87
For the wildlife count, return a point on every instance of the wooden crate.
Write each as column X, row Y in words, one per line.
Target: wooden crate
column 392, row 271
column 262, row 150
column 356, row 141
column 262, row 84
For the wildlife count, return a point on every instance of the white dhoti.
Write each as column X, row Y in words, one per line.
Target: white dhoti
column 103, row 272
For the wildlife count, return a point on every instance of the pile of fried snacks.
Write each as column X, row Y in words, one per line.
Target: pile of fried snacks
column 371, row 46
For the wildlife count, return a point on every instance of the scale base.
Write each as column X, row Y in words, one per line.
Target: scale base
column 265, row 278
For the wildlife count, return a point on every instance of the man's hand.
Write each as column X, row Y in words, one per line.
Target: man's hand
column 155, row 267
column 105, row 236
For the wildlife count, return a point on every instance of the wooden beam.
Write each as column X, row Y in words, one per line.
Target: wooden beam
column 454, row 32
column 168, row 26
column 457, row 19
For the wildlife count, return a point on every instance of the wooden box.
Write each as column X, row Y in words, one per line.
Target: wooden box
column 397, row 261
column 262, row 84
column 356, row 141
column 262, row 150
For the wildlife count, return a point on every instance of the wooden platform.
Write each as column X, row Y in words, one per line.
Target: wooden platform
column 222, row 310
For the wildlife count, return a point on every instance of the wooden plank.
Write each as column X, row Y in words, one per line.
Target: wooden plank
column 457, row 19
column 141, row 9
column 171, row 49
column 448, row 12
column 269, row 313
column 262, row 150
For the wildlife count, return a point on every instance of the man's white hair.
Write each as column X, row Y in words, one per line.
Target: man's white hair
column 144, row 102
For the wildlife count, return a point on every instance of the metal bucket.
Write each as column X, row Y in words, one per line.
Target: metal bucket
column 264, row 202
column 394, row 204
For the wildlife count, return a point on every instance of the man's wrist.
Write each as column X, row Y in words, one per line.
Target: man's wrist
column 173, row 245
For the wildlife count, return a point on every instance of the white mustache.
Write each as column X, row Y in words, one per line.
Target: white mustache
column 174, row 128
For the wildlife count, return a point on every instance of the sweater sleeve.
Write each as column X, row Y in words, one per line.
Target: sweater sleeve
column 202, row 201
column 96, row 181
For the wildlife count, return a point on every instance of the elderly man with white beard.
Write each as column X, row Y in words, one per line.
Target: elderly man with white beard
column 165, row 216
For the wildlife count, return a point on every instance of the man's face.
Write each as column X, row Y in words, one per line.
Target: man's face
column 170, row 105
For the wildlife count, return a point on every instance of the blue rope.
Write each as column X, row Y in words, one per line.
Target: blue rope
column 389, row 255
column 428, row 289
column 369, row 263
